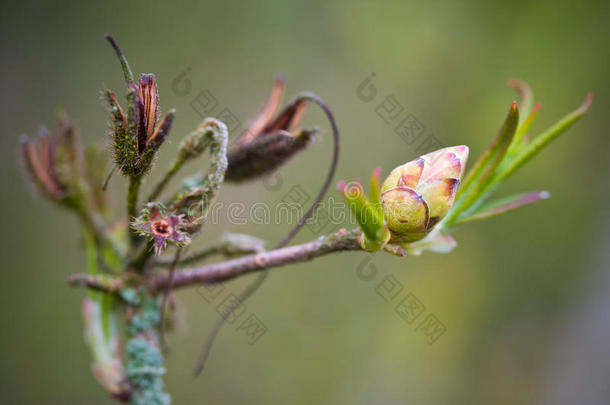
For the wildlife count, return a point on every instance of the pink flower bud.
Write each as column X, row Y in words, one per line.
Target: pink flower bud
column 417, row 195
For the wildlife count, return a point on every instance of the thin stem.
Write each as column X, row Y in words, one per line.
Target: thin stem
column 107, row 181
column 192, row 258
column 94, row 221
column 132, row 204
column 141, row 257
column 91, row 220
column 341, row 240
column 124, row 64
column 172, row 271
column 166, row 178
column 227, row 270
column 230, row 246
column 255, row 285
column 331, row 171
column 98, row 282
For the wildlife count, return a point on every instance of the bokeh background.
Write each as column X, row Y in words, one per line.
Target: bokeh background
column 524, row 298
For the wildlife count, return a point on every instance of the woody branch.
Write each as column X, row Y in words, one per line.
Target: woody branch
column 341, row 240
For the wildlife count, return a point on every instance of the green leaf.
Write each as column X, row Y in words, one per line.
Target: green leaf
column 538, row 143
column 522, row 131
column 471, row 199
column 525, row 94
column 360, row 207
column 503, row 205
column 368, row 215
column 531, row 149
column 483, row 170
column 375, row 192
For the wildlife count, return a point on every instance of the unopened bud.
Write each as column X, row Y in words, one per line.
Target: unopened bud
column 417, row 195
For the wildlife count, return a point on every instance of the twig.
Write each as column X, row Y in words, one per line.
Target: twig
column 124, row 64
column 97, row 282
column 132, row 205
column 231, row 245
column 212, row 273
column 168, row 289
column 194, row 257
column 141, row 256
column 91, row 219
column 342, row 240
column 255, row 285
column 173, row 169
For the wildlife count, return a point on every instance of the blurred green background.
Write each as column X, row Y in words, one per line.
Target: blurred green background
column 524, row 296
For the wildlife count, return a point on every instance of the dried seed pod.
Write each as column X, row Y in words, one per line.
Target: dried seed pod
column 55, row 163
column 269, row 142
column 265, row 154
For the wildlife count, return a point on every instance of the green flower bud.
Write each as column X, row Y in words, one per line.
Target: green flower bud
column 417, row 195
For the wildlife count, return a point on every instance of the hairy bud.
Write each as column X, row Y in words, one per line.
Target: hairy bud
column 138, row 133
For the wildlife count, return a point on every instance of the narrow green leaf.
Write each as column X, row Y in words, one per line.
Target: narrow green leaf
column 534, row 147
column 525, row 94
column 122, row 59
column 523, row 129
column 375, row 192
column 365, row 213
column 504, row 205
column 484, row 169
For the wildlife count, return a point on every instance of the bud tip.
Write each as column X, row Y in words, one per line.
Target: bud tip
column 377, row 173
